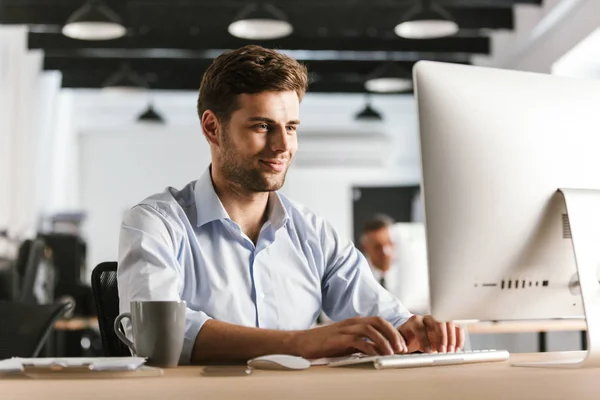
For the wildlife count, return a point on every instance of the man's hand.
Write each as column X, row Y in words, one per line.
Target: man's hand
column 369, row 335
column 427, row 335
column 220, row 341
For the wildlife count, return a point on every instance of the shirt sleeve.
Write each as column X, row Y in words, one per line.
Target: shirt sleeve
column 148, row 268
column 349, row 288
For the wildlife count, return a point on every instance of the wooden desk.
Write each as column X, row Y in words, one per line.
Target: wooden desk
column 76, row 324
column 476, row 381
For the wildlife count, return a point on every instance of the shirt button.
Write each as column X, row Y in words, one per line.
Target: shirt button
column 262, row 295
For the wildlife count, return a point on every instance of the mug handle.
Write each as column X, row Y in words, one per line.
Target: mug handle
column 120, row 334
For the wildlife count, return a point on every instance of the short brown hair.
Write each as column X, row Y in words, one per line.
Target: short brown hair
column 377, row 222
column 249, row 69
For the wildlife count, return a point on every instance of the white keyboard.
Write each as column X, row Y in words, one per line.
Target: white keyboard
column 423, row 359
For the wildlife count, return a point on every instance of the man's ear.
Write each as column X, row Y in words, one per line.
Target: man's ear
column 211, row 127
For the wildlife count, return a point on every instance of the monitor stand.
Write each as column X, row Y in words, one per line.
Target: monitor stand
column 583, row 209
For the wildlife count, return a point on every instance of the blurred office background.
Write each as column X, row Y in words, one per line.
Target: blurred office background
column 89, row 126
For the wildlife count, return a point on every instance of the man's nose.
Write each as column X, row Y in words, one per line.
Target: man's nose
column 279, row 139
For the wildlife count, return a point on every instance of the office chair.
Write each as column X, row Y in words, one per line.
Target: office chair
column 106, row 297
column 9, row 280
column 25, row 327
column 68, row 256
column 37, row 273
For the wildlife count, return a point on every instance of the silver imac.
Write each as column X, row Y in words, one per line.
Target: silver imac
column 511, row 195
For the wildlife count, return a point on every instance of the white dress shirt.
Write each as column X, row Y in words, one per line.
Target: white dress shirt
column 182, row 245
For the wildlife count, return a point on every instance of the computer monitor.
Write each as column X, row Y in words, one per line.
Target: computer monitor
column 496, row 147
column 409, row 267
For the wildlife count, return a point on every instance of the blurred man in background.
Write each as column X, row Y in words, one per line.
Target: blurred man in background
column 378, row 248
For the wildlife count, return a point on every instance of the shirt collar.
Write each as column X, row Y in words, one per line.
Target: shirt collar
column 209, row 207
column 278, row 215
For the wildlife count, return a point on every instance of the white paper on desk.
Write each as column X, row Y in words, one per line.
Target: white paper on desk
column 120, row 364
column 94, row 364
column 10, row 365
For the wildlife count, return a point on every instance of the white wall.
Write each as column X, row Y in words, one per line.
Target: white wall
column 24, row 93
column 122, row 162
column 329, row 192
column 542, row 35
column 122, row 167
column 582, row 60
column 36, row 138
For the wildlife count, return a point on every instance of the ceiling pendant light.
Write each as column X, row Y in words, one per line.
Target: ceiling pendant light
column 368, row 113
column 389, row 78
column 94, row 21
column 426, row 20
column 124, row 80
column 260, row 22
column 150, row 116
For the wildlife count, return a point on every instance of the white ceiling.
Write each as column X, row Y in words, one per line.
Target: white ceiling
column 583, row 60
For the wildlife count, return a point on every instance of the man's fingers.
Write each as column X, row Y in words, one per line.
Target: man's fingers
column 365, row 330
column 420, row 332
column 451, row 334
column 392, row 334
column 436, row 333
column 424, row 334
column 403, row 344
column 364, row 346
column 460, row 338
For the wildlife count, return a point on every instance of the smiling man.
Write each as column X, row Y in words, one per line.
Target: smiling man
column 255, row 268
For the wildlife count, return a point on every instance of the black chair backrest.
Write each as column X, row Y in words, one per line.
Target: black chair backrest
column 34, row 265
column 9, row 280
column 23, row 256
column 25, row 327
column 106, row 297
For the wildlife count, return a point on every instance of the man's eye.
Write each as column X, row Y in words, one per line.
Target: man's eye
column 292, row 128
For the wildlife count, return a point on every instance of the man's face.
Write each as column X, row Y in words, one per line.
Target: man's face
column 379, row 248
column 258, row 143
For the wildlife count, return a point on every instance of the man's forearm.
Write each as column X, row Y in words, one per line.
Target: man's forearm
column 223, row 342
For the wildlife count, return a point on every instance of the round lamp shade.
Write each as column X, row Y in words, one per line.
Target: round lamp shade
column 387, row 85
column 389, row 78
column 426, row 29
column 94, row 21
column 260, row 22
column 426, row 21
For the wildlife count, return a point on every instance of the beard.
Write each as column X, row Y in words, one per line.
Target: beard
column 244, row 173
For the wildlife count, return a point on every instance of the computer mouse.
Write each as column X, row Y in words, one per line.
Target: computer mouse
column 279, row 362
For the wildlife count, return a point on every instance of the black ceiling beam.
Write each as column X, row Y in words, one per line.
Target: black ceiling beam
column 471, row 45
column 210, row 54
column 172, row 68
column 89, row 81
column 186, row 75
column 198, row 66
